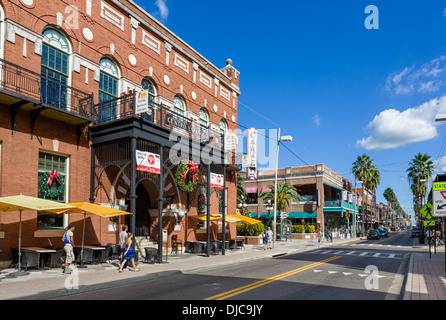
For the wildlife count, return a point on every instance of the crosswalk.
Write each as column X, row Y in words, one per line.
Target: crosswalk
column 356, row 253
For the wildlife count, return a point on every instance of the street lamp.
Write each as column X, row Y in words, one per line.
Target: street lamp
column 279, row 138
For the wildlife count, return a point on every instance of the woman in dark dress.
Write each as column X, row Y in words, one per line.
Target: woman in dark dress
column 128, row 253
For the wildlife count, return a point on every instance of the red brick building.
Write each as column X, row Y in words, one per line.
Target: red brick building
column 70, row 74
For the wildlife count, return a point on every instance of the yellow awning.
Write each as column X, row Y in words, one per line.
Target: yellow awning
column 243, row 218
column 216, row 217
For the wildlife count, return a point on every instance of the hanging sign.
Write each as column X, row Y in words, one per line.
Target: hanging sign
column 147, row 162
column 217, row 181
column 142, row 102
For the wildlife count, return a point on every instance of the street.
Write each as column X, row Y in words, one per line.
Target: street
column 356, row 270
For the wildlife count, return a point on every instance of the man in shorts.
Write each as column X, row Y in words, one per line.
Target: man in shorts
column 69, row 243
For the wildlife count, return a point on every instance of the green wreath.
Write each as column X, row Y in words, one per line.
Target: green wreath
column 47, row 190
column 180, row 176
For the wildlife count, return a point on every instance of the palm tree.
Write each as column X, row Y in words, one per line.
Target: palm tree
column 420, row 168
column 285, row 192
column 364, row 170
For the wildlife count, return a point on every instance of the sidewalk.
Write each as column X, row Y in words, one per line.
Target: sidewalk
column 426, row 275
column 425, row 278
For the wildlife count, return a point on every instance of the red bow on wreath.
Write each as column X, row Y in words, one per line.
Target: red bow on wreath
column 52, row 176
column 193, row 168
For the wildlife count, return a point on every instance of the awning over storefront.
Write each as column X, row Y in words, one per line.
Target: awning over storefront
column 333, row 186
column 244, row 218
column 251, row 189
column 264, row 215
column 302, row 214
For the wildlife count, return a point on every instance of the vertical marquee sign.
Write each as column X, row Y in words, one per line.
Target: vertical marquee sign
column 252, row 154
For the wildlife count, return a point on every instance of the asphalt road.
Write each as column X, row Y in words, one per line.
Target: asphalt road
column 363, row 269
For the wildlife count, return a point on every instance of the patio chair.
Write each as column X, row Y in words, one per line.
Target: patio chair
column 55, row 258
column 176, row 244
column 215, row 247
column 232, row 245
column 240, row 243
column 151, row 255
column 30, row 259
column 189, row 247
column 115, row 251
column 105, row 255
column 15, row 256
column 87, row 256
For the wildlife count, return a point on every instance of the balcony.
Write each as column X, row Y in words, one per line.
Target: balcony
column 24, row 89
column 117, row 117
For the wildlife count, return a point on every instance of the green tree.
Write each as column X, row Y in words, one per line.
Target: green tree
column 420, row 168
column 285, row 192
column 364, row 170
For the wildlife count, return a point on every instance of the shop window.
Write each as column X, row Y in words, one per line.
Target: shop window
column 52, row 185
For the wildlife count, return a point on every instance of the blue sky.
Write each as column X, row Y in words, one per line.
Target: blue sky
column 339, row 89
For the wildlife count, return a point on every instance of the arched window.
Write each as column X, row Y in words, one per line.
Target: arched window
column 223, row 126
column 179, row 105
column 108, row 82
column 54, row 68
column 204, row 117
column 150, row 87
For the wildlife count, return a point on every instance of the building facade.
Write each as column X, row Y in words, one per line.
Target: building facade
column 326, row 199
column 70, row 105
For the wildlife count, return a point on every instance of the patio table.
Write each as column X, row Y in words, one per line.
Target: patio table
column 41, row 252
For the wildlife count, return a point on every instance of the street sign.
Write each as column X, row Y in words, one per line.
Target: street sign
column 427, row 211
column 439, row 199
column 429, row 223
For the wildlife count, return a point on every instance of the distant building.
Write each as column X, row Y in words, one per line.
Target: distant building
column 326, row 198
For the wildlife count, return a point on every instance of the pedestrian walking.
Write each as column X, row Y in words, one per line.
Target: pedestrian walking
column 68, row 247
column 128, row 253
column 270, row 237
column 122, row 236
column 265, row 239
column 319, row 235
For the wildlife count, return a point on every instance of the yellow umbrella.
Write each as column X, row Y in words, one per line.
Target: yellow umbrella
column 20, row 203
column 87, row 207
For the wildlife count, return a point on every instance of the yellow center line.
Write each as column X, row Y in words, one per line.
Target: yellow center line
column 388, row 238
column 263, row 282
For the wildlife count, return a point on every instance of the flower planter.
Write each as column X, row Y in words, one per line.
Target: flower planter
column 251, row 240
column 304, row 236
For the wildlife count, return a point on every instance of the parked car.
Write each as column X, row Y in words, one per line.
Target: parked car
column 415, row 232
column 383, row 232
column 393, row 229
column 373, row 234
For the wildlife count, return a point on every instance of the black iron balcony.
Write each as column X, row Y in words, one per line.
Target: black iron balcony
column 109, row 111
column 32, row 91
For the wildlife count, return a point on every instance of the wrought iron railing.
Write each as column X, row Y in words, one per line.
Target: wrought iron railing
column 158, row 114
column 44, row 91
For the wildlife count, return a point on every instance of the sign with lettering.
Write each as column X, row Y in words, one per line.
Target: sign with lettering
column 142, row 102
column 217, row 181
column 439, row 199
column 147, row 162
column 252, row 154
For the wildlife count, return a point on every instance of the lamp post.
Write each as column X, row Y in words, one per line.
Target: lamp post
column 279, row 138
column 355, row 227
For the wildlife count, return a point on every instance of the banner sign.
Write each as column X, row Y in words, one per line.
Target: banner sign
column 147, row 162
column 217, row 181
column 252, row 154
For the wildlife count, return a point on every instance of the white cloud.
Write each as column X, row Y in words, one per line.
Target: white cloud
column 410, row 80
column 440, row 164
column 164, row 10
column 392, row 128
